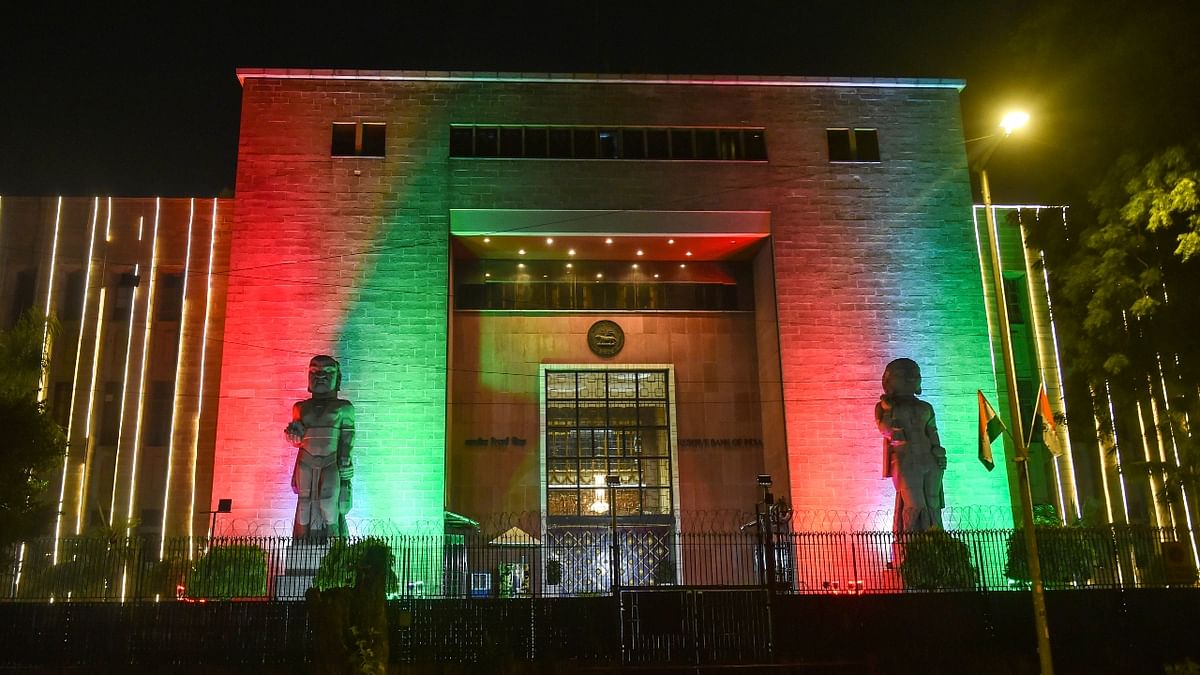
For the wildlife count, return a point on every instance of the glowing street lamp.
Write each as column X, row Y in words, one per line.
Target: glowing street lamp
column 1011, row 122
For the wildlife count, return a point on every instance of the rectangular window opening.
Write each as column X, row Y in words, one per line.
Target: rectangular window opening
column 609, row 143
column 853, row 145
column 358, row 139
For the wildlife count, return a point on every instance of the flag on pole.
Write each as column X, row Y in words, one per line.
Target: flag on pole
column 990, row 428
column 1048, row 426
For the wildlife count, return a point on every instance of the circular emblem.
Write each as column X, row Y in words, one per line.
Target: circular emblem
column 605, row 338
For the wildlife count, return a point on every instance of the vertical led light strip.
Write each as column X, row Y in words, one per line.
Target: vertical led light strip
column 88, row 436
column 987, row 306
column 87, row 285
column 1162, row 379
column 1161, row 456
column 62, row 493
column 112, row 508
column 42, row 383
column 183, row 307
column 1141, row 415
column 1061, row 390
column 108, row 222
column 1112, row 415
column 1100, row 451
column 191, row 523
column 20, row 569
column 1064, row 477
column 141, row 404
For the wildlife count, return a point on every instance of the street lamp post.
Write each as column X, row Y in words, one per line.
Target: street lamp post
column 767, row 548
column 1011, row 123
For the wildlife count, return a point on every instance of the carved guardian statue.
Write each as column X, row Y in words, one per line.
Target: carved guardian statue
column 322, row 427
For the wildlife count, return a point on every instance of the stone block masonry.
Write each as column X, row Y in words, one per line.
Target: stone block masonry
column 350, row 256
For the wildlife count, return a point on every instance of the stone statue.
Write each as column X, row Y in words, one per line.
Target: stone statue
column 913, row 456
column 323, row 429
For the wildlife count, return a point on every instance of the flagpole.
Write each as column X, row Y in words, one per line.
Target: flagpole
column 1018, row 436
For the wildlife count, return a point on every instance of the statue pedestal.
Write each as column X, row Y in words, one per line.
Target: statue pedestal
column 300, row 564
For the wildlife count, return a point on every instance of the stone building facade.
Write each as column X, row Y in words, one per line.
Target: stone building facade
column 532, row 282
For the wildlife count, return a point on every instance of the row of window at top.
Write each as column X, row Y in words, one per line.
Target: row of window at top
column 369, row 139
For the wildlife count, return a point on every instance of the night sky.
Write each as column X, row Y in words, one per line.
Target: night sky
column 144, row 101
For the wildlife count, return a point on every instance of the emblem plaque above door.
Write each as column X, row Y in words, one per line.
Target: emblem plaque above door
column 605, row 338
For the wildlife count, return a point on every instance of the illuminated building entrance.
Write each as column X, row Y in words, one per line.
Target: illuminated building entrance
column 600, row 423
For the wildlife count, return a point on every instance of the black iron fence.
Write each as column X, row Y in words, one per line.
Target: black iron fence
column 582, row 561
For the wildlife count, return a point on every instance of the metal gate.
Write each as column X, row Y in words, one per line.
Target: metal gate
column 695, row 626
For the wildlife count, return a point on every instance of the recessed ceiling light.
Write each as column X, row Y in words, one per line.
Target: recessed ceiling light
column 520, row 251
column 549, row 240
column 608, row 241
column 487, row 274
column 670, row 241
column 641, row 252
column 635, row 266
column 545, row 276
column 520, row 266
column 571, row 252
column 656, row 275
column 599, row 275
column 682, row 265
column 487, row 240
column 688, row 253
column 568, row 265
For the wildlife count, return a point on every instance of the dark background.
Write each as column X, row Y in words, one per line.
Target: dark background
column 130, row 100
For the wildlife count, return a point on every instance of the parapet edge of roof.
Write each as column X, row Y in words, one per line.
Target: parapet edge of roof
column 598, row 78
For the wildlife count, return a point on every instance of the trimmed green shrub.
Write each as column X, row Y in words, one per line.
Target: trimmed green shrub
column 89, row 568
column 936, row 560
column 339, row 568
column 162, row 578
column 224, row 572
column 1068, row 555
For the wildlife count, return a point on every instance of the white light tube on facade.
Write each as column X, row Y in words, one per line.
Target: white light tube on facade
column 141, row 405
column 187, row 261
column 212, row 239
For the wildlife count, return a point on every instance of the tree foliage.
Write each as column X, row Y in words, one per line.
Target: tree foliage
column 1128, row 283
column 32, row 444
